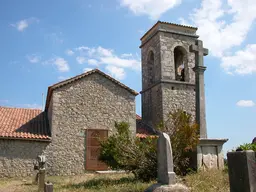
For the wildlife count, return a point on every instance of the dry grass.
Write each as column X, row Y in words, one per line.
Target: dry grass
column 79, row 183
column 212, row 181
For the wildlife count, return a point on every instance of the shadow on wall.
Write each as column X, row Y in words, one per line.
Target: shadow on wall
column 38, row 126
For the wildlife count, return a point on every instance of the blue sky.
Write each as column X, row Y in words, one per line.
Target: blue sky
column 44, row 42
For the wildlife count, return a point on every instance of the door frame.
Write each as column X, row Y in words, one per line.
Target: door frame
column 86, row 146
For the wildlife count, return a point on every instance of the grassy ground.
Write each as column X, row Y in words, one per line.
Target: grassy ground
column 213, row 181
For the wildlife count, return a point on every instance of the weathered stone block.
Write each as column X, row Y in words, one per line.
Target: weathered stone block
column 48, row 187
column 242, row 171
column 167, row 188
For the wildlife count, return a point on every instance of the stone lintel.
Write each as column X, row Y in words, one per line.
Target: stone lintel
column 199, row 69
column 168, row 82
column 211, row 142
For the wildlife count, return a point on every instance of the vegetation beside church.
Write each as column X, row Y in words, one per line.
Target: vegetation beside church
column 184, row 135
column 247, row 146
column 139, row 156
column 122, row 151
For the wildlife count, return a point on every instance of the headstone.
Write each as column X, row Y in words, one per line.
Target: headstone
column 48, row 187
column 165, row 174
column 242, row 171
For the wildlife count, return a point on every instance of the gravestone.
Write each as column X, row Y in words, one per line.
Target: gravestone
column 165, row 174
column 48, row 187
column 242, row 171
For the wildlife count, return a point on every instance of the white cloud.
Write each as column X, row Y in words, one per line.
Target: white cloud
column 69, row 52
column 125, row 55
column 120, row 62
column 115, row 64
column 245, row 103
column 59, row 62
column 154, row 9
column 116, row 72
column 62, row 64
column 33, row 58
column 223, row 28
column 80, row 60
column 100, row 55
column 93, row 62
column 104, row 52
column 31, row 106
column 87, row 69
column 23, row 24
column 61, row 78
column 242, row 62
column 218, row 33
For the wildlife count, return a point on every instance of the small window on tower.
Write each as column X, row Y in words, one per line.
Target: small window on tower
column 180, row 59
column 151, row 60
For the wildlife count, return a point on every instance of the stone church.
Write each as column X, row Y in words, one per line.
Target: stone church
column 84, row 108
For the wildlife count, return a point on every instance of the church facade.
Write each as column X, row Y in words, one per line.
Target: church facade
column 84, row 108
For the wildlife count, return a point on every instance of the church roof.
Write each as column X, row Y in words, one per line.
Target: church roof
column 18, row 123
column 32, row 124
column 166, row 26
column 144, row 130
column 65, row 82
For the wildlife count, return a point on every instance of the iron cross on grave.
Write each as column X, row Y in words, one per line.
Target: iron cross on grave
column 199, row 69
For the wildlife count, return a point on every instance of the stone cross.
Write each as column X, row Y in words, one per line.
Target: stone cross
column 199, row 69
column 165, row 173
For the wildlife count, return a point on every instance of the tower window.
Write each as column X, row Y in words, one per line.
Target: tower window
column 151, row 60
column 180, row 60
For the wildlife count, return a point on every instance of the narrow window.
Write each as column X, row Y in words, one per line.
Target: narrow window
column 151, row 60
column 180, row 60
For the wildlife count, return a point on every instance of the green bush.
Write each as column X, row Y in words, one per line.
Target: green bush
column 139, row 156
column 247, row 146
column 135, row 155
column 184, row 136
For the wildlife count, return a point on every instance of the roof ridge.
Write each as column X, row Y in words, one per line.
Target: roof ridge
column 77, row 77
column 164, row 22
column 11, row 107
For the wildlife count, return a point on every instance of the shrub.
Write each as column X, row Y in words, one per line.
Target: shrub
column 122, row 151
column 139, row 156
column 184, row 136
column 247, row 146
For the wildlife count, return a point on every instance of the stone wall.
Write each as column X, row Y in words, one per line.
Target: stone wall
column 180, row 96
column 168, row 42
column 167, row 94
column 17, row 157
column 93, row 102
column 148, row 109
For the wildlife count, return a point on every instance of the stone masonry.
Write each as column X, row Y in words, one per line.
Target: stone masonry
column 166, row 94
column 93, row 102
column 176, row 49
column 17, row 157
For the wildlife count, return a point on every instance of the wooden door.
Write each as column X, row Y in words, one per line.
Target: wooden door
column 93, row 149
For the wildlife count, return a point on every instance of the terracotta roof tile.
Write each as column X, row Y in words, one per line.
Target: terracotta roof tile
column 21, row 123
column 140, row 135
column 143, row 128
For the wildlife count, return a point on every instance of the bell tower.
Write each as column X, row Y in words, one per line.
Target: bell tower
column 173, row 78
column 168, row 78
